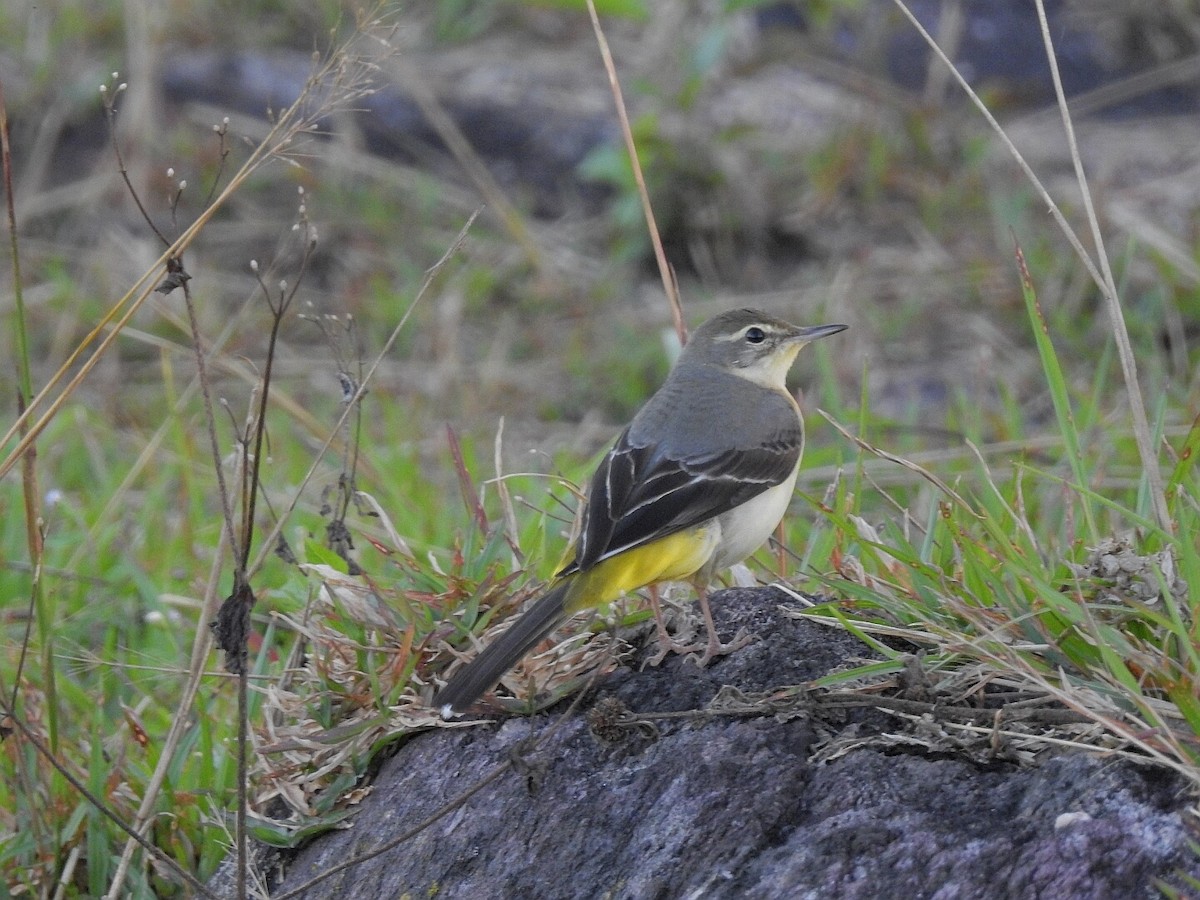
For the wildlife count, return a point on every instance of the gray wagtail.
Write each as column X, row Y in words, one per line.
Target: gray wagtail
column 695, row 484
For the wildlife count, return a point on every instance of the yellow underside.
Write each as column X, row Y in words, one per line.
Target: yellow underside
column 673, row 558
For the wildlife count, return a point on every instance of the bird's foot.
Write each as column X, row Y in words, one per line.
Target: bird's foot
column 681, row 642
column 668, row 645
column 667, row 642
column 715, row 648
column 699, row 652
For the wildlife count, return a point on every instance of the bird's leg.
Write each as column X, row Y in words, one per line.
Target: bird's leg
column 703, row 653
column 714, row 646
column 666, row 643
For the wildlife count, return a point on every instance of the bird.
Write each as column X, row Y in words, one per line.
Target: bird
column 697, row 482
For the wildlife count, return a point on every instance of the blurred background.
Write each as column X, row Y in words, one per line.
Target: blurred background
column 805, row 158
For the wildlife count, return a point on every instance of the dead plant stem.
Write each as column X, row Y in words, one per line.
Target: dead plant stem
column 670, row 285
column 1116, row 316
column 267, row 546
column 1103, row 280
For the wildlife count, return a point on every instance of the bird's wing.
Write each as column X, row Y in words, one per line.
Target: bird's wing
column 642, row 493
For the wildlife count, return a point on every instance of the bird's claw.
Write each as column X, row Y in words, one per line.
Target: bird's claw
column 701, row 653
column 715, row 648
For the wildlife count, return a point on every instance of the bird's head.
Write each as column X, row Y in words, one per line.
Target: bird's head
column 752, row 344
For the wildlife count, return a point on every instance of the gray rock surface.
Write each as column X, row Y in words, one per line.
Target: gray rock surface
column 736, row 807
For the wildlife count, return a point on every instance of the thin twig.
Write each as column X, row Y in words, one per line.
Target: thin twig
column 242, row 864
column 778, row 701
column 110, row 114
column 211, row 422
column 233, row 619
column 278, row 311
column 268, row 543
column 24, row 390
column 221, row 131
column 296, row 120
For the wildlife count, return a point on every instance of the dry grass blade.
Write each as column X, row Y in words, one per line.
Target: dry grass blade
column 1102, row 275
column 506, row 503
column 1116, row 316
column 898, row 460
column 670, row 286
column 31, row 493
column 338, row 82
column 1051, row 205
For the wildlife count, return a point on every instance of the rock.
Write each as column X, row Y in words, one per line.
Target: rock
column 738, row 806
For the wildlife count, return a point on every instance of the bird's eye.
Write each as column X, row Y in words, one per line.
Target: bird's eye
column 755, row 335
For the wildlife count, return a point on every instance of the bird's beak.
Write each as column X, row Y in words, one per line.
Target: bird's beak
column 813, row 332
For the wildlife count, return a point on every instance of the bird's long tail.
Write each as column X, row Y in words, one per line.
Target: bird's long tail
column 469, row 683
